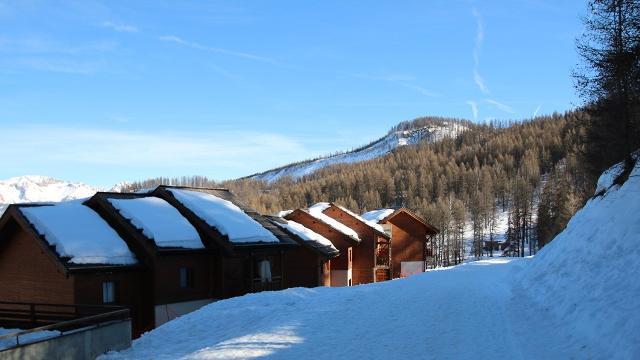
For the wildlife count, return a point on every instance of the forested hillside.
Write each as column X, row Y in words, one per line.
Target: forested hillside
column 498, row 168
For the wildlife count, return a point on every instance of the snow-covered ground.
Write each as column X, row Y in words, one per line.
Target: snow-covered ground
column 467, row 312
column 588, row 277
column 579, row 298
column 376, row 149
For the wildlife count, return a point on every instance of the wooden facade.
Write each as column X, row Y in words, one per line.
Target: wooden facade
column 410, row 242
column 371, row 258
column 362, row 260
column 339, row 270
column 308, row 265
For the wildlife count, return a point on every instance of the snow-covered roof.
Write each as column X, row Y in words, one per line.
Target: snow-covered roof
column 79, row 233
column 224, row 215
column 317, row 211
column 159, row 221
column 284, row 213
column 305, row 233
column 372, row 224
column 377, row 215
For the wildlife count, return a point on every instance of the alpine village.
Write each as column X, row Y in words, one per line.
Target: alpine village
column 483, row 231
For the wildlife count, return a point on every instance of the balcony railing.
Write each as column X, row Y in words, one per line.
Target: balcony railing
column 382, row 255
column 54, row 318
column 258, row 285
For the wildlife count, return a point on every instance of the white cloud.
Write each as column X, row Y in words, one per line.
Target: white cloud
column 501, row 106
column 191, row 152
column 477, row 78
column 119, row 27
column 197, row 46
column 474, row 108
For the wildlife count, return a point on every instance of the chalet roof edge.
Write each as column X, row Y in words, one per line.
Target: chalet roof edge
column 342, row 208
column 306, row 211
column 326, row 251
column 193, row 188
column 412, row 214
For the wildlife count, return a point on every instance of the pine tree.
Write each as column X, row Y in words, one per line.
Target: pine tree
column 609, row 81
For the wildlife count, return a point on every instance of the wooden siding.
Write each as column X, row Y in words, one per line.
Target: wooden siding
column 132, row 289
column 407, row 241
column 341, row 262
column 363, row 253
column 304, row 268
column 28, row 274
column 166, row 279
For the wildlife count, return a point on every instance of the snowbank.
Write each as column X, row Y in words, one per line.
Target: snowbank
column 159, row 221
column 79, row 233
column 225, row 216
column 588, row 276
column 317, row 211
column 305, row 233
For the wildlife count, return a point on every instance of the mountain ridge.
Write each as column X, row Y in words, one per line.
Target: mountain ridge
column 422, row 129
column 38, row 188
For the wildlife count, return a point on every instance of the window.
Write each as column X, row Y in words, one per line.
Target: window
column 350, row 256
column 387, row 229
column 186, row 277
column 108, row 292
column 264, row 270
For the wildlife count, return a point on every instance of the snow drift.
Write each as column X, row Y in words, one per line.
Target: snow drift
column 589, row 275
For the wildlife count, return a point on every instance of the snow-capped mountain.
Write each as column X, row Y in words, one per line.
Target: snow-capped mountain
column 380, row 147
column 25, row 189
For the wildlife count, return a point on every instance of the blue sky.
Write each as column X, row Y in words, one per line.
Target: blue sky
column 103, row 92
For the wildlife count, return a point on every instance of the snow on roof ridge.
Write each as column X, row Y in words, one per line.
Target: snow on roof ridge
column 284, row 213
column 79, row 233
column 305, row 233
column 159, row 221
column 372, row 224
column 378, row 214
column 225, row 216
column 316, row 211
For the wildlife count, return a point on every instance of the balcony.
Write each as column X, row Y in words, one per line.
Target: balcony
column 257, row 285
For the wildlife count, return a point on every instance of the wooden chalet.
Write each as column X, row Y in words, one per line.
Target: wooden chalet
column 337, row 271
column 32, row 270
column 367, row 257
column 371, row 258
column 308, row 265
column 177, row 252
column 411, row 239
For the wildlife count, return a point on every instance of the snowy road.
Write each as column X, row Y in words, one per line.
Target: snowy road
column 464, row 312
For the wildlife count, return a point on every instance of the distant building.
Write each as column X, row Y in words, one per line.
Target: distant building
column 411, row 239
column 364, row 247
column 337, row 271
